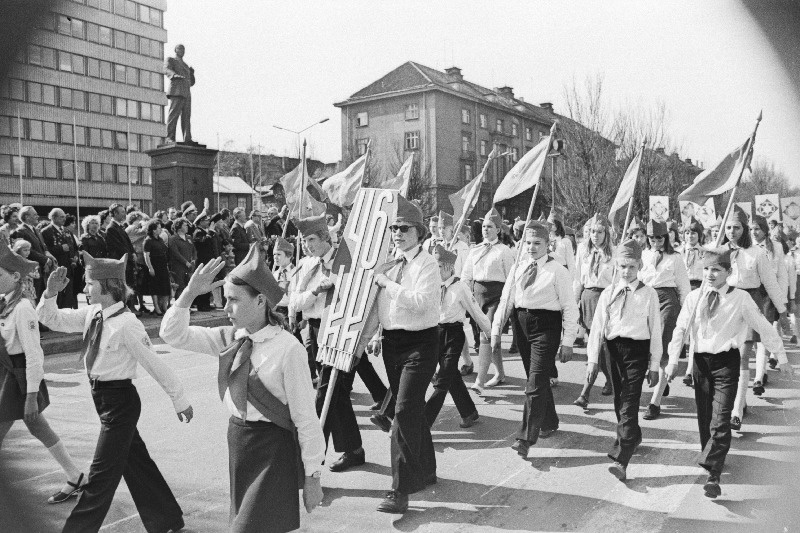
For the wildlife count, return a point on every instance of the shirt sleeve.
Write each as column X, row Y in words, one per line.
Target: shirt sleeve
column 474, row 310
column 297, row 384
column 176, row 331
column 138, row 344
column 656, row 329
column 569, row 255
column 769, row 336
column 64, row 320
column 466, row 270
column 682, row 278
column 506, row 303
column 425, row 292
column 782, row 275
column 301, row 298
column 577, row 284
column 509, row 258
column 569, row 308
column 770, row 282
column 27, row 325
column 597, row 328
column 676, row 343
column 792, row 273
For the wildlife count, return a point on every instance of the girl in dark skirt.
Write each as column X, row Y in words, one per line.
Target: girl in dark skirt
column 594, row 269
column 156, row 256
column 665, row 272
column 23, row 392
column 274, row 437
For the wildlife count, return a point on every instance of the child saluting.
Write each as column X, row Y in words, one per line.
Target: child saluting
column 115, row 344
column 265, row 384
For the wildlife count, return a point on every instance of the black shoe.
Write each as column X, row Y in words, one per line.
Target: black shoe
column 652, row 412
column 513, row 348
column 582, row 401
column 177, row 526
column 382, row 422
column 546, row 433
column 765, row 380
column 348, row 460
column 521, row 447
column 793, row 340
column 712, row 486
column 758, row 388
column 394, row 502
column 607, row 391
column 431, row 480
column 469, row 420
column 773, row 363
column 666, row 390
column 60, row 497
column 376, row 406
column 466, row 370
column 619, row 470
column 579, row 343
column 688, row 380
column 736, row 423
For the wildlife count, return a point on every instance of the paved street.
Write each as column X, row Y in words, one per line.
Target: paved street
column 483, row 485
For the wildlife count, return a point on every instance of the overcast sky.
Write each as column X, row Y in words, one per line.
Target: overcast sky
column 260, row 63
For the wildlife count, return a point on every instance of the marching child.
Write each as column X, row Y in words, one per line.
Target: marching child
column 274, row 435
column 23, row 392
column 115, row 344
column 23, row 248
column 282, row 254
column 719, row 329
column 692, row 253
column 628, row 322
column 456, row 300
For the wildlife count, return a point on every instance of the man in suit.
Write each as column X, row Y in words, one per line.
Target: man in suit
column 239, row 238
column 181, row 79
column 28, row 231
column 118, row 244
column 61, row 244
column 255, row 231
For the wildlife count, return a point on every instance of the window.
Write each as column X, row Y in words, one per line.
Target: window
column 16, row 125
column 64, row 25
column 412, row 140
column 147, row 142
column 466, row 142
column 498, row 127
column 483, row 147
column 94, row 137
column 48, row 95
column 50, row 168
column 133, row 175
column 119, row 73
column 133, row 141
column 467, row 172
column 515, row 154
column 77, row 28
column 362, row 119
column 144, row 14
column 35, row 55
column 82, row 170
column 157, row 81
column 146, row 115
column 94, row 102
column 241, row 201
column 483, row 122
column 412, row 111
column 79, row 100
column 105, row 36
column 122, row 140
column 130, row 9
column 106, row 104
column 93, row 67
column 80, row 135
column 106, row 70
column 108, row 139
column 465, row 116
column 513, row 129
column 48, row 58
column 122, row 174
column 132, row 77
column 19, row 165
column 78, row 65
column 133, row 109
column 5, row 165
column 37, row 167
column 35, row 130
column 119, row 39
column 67, row 170
column 361, row 146
column 108, row 172
column 132, row 43
column 65, row 97
column 528, row 134
column 95, row 172
column 65, row 61
column 104, row 5
column 5, row 126
column 144, row 79
column 156, row 113
column 50, row 132
column 66, row 133
column 18, row 90
column 155, row 17
column 34, row 92
column 92, row 32
column 147, row 177
column 144, row 46
column 119, row 7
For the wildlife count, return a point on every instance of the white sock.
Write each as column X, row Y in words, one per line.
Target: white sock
column 761, row 361
column 60, row 454
column 659, row 392
column 741, row 395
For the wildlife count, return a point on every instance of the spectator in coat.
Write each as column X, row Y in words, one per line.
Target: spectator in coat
column 206, row 251
column 28, row 231
column 71, row 227
column 239, row 239
column 182, row 255
column 91, row 239
column 61, row 245
column 137, row 231
column 118, row 244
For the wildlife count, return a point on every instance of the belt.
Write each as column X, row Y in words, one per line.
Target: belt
column 316, row 322
column 97, row 384
column 451, row 324
column 594, row 289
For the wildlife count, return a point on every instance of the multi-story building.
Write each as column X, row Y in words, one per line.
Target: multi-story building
column 84, row 98
column 450, row 123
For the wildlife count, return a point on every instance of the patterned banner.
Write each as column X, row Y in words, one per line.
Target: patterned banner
column 705, row 214
column 747, row 207
column 768, row 206
column 659, row 208
column 351, row 319
column 790, row 207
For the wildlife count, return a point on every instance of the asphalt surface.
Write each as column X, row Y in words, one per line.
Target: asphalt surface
column 483, row 485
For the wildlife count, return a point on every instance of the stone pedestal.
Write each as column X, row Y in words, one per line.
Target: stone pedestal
column 181, row 172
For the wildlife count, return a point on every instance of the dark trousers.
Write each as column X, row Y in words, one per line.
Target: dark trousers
column 203, row 301
column 180, row 107
column 121, row 453
column 341, row 422
column 371, row 379
column 410, row 360
column 448, row 378
column 543, row 334
column 66, row 299
column 716, row 379
column 522, row 344
column 627, row 361
column 312, row 346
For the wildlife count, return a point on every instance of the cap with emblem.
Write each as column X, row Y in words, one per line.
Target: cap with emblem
column 599, row 220
column 539, row 229
column 494, row 217
column 656, row 228
column 629, row 249
column 312, row 224
column 253, row 270
column 444, row 256
column 446, row 219
column 408, row 213
column 717, row 256
column 284, row 246
column 13, row 262
column 99, row 269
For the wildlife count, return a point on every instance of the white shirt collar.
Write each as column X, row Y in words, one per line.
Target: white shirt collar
column 492, row 242
column 632, row 285
column 449, row 281
column 411, row 253
column 111, row 309
column 266, row 333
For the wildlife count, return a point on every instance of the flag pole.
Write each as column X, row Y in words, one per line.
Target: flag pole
column 626, row 225
column 75, row 169
column 463, row 217
column 302, row 198
column 130, row 185
column 728, row 210
column 19, row 147
column 218, row 158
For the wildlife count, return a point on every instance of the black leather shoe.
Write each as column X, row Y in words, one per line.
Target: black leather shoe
column 666, row 390
column 394, row 502
column 348, row 460
column 546, row 433
column 521, row 447
column 607, row 391
column 619, row 470
column 375, row 406
column 431, row 480
column 582, row 401
column 60, row 497
column 758, row 388
column 466, row 370
column 688, row 380
column 773, row 363
column 652, row 412
column 579, row 343
column 177, row 526
column 736, row 423
column 382, row 422
column 469, row 421
column 712, row 487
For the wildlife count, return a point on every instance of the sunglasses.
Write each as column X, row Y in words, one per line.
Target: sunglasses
column 401, row 229
column 659, row 238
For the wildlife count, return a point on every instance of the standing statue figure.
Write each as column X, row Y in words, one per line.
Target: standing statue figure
column 181, row 78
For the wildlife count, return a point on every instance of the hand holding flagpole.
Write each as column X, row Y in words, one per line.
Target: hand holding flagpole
column 467, row 207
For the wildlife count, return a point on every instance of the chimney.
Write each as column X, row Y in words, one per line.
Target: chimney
column 548, row 106
column 521, row 98
column 688, row 160
column 506, row 91
column 454, row 75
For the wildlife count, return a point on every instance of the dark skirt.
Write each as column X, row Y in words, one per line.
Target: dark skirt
column 158, row 285
column 262, row 460
column 765, row 305
column 12, row 391
column 487, row 293
column 670, row 307
column 695, row 283
column 588, row 306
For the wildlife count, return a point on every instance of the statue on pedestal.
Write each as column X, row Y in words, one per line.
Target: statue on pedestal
column 181, row 79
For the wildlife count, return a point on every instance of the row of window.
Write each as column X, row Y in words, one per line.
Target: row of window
column 90, row 66
column 40, row 130
column 128, row 9
column 42, row 93
column 64, row 169
column 95, row 33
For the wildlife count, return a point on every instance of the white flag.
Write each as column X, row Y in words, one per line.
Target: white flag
column 527, row 171
column 403, row 178
column 343, row 187
column 626, row 186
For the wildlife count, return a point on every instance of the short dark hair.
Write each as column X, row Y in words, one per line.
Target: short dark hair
column 70, row 219
column 558, row 227
column 178, row 223
column 152, row 226
column 113, row 208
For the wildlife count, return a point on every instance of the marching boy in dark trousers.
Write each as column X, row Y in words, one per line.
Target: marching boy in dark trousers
column 456, row 300
column 115, row 344
column 718, row 330
column 628, row 321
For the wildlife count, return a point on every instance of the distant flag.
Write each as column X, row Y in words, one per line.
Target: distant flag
column 343, row 187
column 464, row 201
column 527, row 171
column 402, row 181
column 627, row 186
column 291, row 190
column 722, row 177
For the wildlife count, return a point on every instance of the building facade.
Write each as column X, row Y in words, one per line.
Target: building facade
column 450, row 124
column 83, row 100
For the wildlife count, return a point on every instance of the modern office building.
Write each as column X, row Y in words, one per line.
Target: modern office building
column 84, row 98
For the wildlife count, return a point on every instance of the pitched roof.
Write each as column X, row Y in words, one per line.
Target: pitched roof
column 231, row 185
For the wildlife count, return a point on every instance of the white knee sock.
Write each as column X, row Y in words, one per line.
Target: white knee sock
column 484, row 360
column 761, row 361
column 659, row 392
column 60, row 454
column 741, row 395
